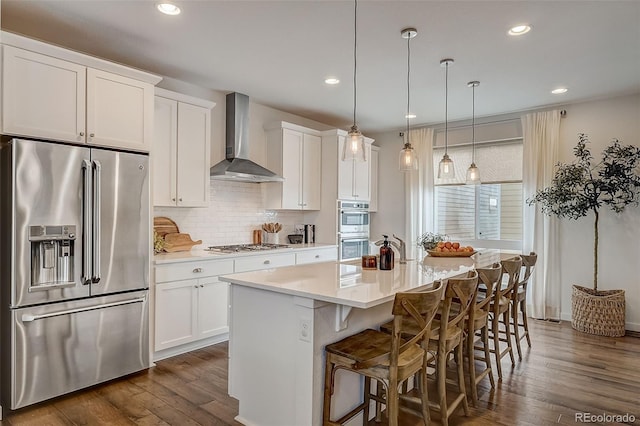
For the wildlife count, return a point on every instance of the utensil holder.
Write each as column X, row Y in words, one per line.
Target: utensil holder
column 271, row 238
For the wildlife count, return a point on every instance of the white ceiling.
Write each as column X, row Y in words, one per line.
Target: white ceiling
column 279, row 52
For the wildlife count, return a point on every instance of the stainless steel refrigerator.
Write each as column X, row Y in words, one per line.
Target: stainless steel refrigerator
column 74, row 270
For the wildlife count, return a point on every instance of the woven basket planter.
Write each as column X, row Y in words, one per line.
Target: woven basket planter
column 598, row 312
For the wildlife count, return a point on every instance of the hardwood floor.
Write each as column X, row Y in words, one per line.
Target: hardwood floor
column 565, row 373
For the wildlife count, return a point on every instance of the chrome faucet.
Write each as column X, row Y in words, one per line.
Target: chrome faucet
column 400, row 247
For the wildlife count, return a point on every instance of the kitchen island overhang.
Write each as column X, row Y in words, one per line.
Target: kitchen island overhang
column 281, row 319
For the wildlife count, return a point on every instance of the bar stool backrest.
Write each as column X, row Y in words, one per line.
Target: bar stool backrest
column 409, row 308
column 461, row 291
column 491, row 277
column 528, row 265
column 510, row 268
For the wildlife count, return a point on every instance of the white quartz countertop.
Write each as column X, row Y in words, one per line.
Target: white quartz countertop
column 200, row 254
column 348, row 284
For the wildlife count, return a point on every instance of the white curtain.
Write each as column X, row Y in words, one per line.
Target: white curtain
column 419, row 191
column 541, row 134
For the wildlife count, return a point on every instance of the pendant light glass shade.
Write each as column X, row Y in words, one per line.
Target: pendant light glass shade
column 473, row 174
column 354, row 149
column 408, row 160
column 354, row 146
column 445, row 168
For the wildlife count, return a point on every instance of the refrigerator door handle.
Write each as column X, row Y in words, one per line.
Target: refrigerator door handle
column 86, row 228
column 97, row 171
column 30, row 318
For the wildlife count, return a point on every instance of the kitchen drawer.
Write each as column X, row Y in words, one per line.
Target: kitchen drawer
column 265, row 261
column 191, row 270
column 315, row 256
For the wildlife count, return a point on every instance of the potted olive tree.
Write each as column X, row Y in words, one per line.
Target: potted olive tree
column 585, row 187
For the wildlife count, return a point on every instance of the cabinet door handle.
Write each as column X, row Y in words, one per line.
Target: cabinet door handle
column 317, row 256
column 195, row 286
column 92, row 134
column 201, row 285
column 81, row 133
column 180, row 199
column 173, row 199
column 196, row 270
column 266, row 262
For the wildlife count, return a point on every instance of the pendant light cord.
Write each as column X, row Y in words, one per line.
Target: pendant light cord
column 473, row 124
column 446, row 107
column 408, row 81
column 355, row 58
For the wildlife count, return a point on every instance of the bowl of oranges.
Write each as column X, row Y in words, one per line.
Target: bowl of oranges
column 451, row 249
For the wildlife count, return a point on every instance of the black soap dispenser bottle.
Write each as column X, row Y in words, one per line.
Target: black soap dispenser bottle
column 386, row 255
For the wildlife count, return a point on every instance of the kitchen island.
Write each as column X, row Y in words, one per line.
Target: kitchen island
column 281, row 319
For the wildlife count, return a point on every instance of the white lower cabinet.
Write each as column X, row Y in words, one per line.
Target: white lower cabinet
column 191, row 304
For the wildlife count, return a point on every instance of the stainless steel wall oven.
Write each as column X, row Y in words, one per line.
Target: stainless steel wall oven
column 353, row 229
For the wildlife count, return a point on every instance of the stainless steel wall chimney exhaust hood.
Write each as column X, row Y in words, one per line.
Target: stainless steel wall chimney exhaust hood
column 236, row 166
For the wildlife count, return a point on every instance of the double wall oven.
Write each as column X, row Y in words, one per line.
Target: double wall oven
column 353, row 229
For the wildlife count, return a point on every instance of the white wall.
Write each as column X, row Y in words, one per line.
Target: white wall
column 619, row 263
column 235, row 208
column 619, row 235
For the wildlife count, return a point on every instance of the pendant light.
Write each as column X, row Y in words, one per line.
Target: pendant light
column 353, row 149
column 473, row 174
column 445, row 168
column 408, row 160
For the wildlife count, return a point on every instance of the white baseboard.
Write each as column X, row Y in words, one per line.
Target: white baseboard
column 188, row 347
column 244, row 421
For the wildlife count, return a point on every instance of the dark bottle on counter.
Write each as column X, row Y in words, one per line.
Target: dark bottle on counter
column 386, row 255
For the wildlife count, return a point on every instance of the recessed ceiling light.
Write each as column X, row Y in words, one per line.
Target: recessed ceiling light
column 519, row 29
column 332, row 80
column 559, row 90
column 168, row 8
column 410, row 116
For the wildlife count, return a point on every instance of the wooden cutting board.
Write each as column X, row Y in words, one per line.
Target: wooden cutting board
column 164, row 226
column 179, row 242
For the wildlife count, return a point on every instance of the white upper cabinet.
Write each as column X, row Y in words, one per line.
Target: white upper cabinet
column 119, row 111
column 57, row 94
column 43, row 97
column 354, row 176
column 181, row 147
column 295, row 153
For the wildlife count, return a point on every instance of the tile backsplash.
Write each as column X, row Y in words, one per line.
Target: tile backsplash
column 235, row 210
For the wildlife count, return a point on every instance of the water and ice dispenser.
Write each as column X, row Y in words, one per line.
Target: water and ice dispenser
column 52, row 255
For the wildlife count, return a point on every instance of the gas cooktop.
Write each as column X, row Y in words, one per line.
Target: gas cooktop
column 236, row 248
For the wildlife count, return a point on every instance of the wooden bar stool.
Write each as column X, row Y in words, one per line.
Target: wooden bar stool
column 447, row 336
column 519, row 301
column 478, row 321
column 387, row 358
column 500, row 311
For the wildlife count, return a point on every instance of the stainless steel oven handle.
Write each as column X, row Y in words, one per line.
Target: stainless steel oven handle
column 86, row 226
column 97, row 187
column 354, row 240
column 29, row 318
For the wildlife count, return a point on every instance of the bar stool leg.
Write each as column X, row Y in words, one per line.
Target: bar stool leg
column 441, row 373
column 487, row 354
column 461, row 385
column 495, row 328
column 505, row 318
column 366, row 397
column 516, row 327
column 472, row 366
column 523, row 309
column 328, row 391
column 424, row 396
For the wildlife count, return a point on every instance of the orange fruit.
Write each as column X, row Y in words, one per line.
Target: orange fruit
column 440, row 244
column 447, row 245
column 455, row 245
